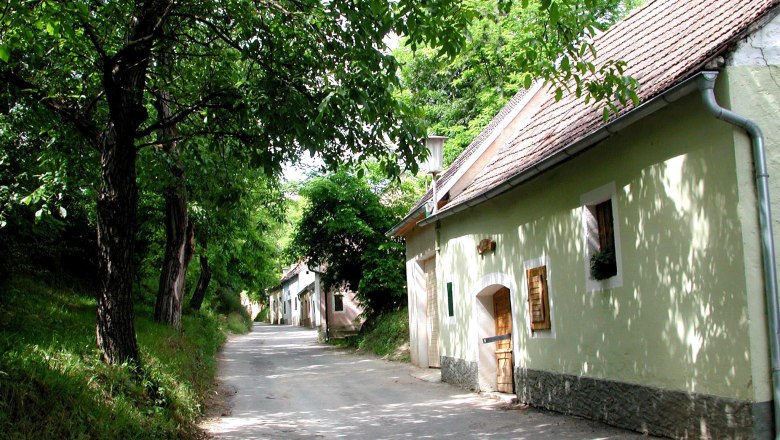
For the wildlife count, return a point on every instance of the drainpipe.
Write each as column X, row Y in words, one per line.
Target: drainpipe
column 706, row 86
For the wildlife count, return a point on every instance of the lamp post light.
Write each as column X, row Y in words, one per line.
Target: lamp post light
column 435, row 145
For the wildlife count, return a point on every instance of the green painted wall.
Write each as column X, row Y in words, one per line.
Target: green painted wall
column 681, row 319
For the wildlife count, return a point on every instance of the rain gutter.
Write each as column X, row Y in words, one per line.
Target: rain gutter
column 706, row 85
column 409, row 217
column 675, row 93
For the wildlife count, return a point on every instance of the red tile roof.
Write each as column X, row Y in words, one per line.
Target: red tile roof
column 663, row 43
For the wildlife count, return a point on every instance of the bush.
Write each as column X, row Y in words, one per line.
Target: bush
column 227, row 302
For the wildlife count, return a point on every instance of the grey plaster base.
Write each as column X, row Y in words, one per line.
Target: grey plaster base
column 459, row 372
column 645, row 409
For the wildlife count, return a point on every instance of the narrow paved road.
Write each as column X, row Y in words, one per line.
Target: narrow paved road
column 290, row 387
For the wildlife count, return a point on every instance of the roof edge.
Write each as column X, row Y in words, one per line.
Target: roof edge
column 588, row 141
column 402, row 224
column 510, row 116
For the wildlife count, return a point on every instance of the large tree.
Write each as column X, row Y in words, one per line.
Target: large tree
column 284, row 77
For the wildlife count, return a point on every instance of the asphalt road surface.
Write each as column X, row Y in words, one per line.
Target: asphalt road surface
column 290, row 387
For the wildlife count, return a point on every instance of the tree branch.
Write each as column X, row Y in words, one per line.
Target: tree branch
column 214, row 28
column 90, row 31
column 83, row 124
column 149, row 36
column 180, row 115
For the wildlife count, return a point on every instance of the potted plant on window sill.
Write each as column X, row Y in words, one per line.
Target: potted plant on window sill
column 603, row 264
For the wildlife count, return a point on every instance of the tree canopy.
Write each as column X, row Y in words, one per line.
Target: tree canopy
column 342, row 230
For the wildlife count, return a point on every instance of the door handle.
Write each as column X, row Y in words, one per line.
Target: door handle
column 496, row 338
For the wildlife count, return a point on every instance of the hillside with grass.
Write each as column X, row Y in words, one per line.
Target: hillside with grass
column 386, row 335
column 54, row 384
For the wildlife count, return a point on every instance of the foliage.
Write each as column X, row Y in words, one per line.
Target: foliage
column 603, row 264
column 48, row 349
column 342, row 229
column 269, row 80
column 505, row 48
column 384, row 335
column 227, row 302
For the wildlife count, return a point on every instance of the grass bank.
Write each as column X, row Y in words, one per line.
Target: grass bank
column 53, row 383
column 386, row 335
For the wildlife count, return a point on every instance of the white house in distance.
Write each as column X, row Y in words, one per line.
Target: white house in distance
column 299, row 300
column 620, row 270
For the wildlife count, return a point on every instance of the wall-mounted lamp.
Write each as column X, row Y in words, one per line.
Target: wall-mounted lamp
column 432, row 165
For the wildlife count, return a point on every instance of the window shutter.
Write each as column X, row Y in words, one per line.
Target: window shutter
column 538, row 301
column 604, row 218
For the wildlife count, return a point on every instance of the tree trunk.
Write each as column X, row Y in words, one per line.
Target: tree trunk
column 167, row 309
column 124, row 84
column 203, row 281
column 178, row 243
column 116, row 222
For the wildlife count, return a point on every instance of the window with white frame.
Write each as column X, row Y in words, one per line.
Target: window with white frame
column 603, row 269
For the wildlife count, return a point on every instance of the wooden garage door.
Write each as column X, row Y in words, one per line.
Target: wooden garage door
column 503, row 313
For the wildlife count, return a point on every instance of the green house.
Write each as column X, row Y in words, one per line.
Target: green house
column 641, row 281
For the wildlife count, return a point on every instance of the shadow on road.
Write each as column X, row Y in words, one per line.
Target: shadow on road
column 289, row 387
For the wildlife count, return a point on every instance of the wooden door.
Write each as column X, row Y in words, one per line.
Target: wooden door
column 503, row 312
column 432, row 313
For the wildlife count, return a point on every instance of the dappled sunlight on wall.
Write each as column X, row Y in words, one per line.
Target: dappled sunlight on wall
column 695, row 258
column 680, row 319
column 458, row 334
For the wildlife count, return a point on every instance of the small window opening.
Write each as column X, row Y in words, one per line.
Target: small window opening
column 450, row 305
column 601, row 240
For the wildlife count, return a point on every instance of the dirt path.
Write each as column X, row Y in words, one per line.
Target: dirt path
column 289, row 387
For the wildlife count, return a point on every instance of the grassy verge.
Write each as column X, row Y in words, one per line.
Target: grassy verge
column 386, row 335
column 53, row 383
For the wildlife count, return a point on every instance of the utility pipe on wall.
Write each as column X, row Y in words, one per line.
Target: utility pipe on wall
column 706, row 86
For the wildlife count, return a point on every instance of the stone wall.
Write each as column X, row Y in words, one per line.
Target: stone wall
column 459, row 372
column 645, row 409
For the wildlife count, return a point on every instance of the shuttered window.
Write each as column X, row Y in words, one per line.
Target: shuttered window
column 538, row 299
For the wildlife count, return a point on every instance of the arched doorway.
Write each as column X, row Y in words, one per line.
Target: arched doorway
column 493, row 317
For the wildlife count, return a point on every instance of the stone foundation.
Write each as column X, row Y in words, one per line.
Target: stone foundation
column 645, row 409
column 459, row 372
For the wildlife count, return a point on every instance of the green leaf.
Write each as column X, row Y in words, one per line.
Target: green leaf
column 554, row 13
column 5, row 53
column 565, row 63
column 527, row 81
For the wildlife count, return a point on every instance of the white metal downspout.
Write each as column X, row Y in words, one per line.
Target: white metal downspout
column 706, row 86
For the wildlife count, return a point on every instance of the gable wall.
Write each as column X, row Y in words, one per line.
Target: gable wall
column 680, row 319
